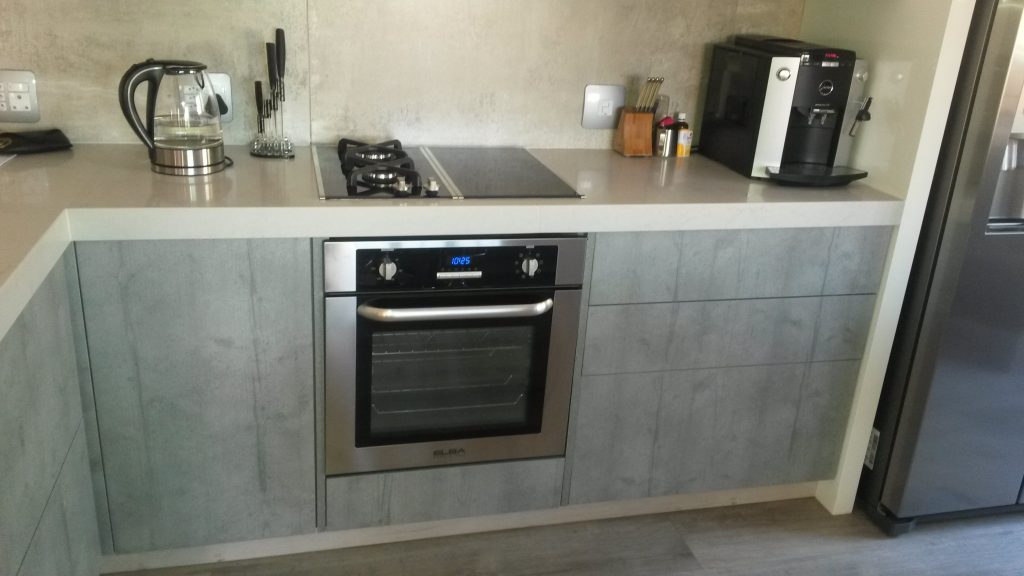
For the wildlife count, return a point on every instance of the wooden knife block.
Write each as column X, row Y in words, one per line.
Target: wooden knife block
column 635, row 134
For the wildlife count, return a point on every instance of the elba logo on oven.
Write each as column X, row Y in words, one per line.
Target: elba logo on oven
column 449, row 452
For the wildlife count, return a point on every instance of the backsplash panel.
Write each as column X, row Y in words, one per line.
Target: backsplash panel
column 440, row 71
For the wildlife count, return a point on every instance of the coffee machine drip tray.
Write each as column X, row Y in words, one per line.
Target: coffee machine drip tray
column 796, row 174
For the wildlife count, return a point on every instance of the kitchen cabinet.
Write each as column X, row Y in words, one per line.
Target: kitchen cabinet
column 437, row 493
column 46, row 512
column 202, row 367
column 716, row 360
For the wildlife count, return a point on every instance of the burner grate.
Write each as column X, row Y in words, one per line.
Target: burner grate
column 383, row 168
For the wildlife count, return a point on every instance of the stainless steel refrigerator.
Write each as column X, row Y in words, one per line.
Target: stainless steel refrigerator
column 949, row 432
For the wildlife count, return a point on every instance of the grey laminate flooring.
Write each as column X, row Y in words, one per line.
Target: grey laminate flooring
column 797, row 537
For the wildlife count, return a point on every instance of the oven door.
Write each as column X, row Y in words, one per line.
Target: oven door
column 434, row 379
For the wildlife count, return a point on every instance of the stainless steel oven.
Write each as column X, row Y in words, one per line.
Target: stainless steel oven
column 448, row 351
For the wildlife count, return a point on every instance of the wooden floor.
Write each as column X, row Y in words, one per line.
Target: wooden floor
column 784, row 538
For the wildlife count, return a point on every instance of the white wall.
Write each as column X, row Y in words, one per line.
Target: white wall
column 914, row 49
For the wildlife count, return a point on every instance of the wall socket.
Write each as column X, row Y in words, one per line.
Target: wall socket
column 601, row 105
column 18, row 102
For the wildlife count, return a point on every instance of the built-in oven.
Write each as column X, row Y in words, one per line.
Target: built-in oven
column 448, row 351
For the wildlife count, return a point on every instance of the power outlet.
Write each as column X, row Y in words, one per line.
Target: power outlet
column 222, row 87
column 18, row 102
column 601, row 105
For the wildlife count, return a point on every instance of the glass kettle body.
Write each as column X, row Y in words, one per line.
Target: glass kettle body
column 182, row 126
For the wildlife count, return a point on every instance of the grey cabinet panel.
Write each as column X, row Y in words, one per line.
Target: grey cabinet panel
column 725, row 428
column 686, row 431
column 438, row 493
column 635, row 267
column 656, row 337
column 66, row 541
column 843, row 327
column 39, row 413
column 825, row 400
column 203, row 377
column 709, row 265
column 731, row 264
column 857, row 260
column 90, row 427
column 615, row 430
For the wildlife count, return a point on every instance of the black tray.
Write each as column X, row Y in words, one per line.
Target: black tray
column 814, row 175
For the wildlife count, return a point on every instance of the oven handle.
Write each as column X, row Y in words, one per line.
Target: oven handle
column 455, row 312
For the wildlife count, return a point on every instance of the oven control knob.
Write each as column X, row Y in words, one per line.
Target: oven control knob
column 387, row 269
column 530, row 266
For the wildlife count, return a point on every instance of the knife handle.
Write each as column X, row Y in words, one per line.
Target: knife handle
column 279, row 42
column 259, row 106
column 272, row 67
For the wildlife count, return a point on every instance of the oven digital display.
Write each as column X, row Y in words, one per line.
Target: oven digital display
column 461, row 260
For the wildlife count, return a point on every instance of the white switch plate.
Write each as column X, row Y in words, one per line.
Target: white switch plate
column 222, row 85
column 18, row 96
column 601, row 105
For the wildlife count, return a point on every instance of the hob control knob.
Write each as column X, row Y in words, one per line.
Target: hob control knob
column 387, row 269
column 432, row 188
column 530, row 266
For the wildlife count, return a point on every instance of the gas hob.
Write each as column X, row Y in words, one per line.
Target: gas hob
column 357, row 170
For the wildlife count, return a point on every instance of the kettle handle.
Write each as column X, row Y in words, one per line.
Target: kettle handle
column 149, row 71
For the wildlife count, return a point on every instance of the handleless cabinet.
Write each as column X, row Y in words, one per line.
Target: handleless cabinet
column 202, row 365
column 720, row 359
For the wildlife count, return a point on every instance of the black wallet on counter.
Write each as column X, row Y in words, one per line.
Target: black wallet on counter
column 33, row 142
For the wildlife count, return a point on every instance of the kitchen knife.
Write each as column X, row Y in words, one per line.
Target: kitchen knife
column 279, row 42
column 272, row 71
column 642, row 96
column 259, row 106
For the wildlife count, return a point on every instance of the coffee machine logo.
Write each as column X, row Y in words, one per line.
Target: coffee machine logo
column 826, row 87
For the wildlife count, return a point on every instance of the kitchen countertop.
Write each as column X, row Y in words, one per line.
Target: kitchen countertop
column 108, row 192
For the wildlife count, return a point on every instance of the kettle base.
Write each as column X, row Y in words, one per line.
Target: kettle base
column 189, row 161
column 189, row 170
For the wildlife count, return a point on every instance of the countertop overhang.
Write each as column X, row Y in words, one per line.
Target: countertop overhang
column 108, row 192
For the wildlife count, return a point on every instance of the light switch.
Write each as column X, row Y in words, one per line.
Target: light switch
column 601, row 104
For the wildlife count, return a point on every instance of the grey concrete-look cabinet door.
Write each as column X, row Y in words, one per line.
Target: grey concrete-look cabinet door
column 615, row 430
column 438, row 493
column 40, row 412
column 202, row 364
column 66, row 540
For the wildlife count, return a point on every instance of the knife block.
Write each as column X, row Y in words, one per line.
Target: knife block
column 635, row 133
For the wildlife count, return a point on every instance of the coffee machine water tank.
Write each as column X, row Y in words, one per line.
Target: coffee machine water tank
column 779, row 109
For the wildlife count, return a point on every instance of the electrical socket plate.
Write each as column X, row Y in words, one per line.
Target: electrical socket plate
column 18, row 102
column 601, row 105
column 222, row 86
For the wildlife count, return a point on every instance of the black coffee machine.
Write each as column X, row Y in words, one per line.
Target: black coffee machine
column 784, row 110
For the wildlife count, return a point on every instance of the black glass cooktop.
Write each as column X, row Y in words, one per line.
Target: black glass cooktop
column 458, row 172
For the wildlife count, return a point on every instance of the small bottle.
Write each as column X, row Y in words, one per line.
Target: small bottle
column 684, row 136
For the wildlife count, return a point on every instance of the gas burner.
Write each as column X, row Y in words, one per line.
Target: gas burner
column 380, row 177
column 383, row 168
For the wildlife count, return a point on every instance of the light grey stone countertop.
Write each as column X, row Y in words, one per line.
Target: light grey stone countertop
column 107, row 192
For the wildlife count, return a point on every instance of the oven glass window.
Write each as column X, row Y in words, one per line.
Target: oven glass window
column 446, row 380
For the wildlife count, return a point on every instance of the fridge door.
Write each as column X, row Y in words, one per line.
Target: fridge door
column 959, row 440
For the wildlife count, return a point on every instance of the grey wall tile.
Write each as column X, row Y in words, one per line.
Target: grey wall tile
column 857, row 260
column 203, row 378
column 634, row 267
column 614, row 437
column 825, row 399
column 654, row 337
column 439, row 493
column 843, row 327
column 40, row 412
column 66, row 541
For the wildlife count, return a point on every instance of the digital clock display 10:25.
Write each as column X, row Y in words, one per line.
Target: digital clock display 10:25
column 461, row 260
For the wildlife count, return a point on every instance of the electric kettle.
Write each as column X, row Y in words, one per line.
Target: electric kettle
column 182, row 128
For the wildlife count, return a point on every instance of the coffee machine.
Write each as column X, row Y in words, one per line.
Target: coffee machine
column 783, row 109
